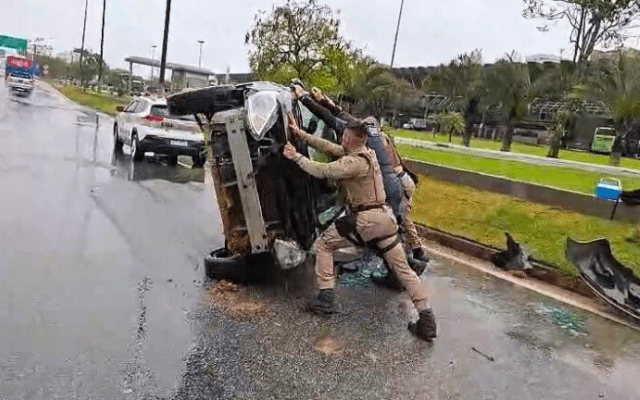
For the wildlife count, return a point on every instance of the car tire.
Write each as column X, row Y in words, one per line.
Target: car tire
column 221, row 264
column 137, row 154
column 199, row 160
column 117, row 143
column 239, row 268
column 172, row 161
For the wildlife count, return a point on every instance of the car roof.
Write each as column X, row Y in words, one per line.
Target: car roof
column 155, row 101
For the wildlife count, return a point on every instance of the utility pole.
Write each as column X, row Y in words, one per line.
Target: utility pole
column 163, row 60
column 200, row 59
column 395, row 41
column 84, row 29
column 104, row 9
column 153, row 52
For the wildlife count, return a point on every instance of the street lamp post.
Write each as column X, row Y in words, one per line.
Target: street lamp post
column 84, row 29
column 395, row 41
column 165, row 39
column 104, row 10
column 200, row 59
column 153, row 52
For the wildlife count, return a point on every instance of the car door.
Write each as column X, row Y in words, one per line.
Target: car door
column 136, row 116
column 124, row 130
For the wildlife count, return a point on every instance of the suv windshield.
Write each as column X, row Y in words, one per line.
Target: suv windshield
column 163, row 110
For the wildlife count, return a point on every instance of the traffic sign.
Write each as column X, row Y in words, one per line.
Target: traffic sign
column 13, row 43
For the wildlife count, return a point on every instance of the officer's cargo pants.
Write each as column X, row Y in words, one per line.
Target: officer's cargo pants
column 411, row 233
column 370, row 225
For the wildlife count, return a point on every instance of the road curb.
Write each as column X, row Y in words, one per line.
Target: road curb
column 544, row 278
column 518, row 157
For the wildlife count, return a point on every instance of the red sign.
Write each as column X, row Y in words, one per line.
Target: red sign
column 13, row 61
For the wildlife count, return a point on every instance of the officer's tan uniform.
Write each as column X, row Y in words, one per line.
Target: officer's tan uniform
column 359, row 174
column 413, row 240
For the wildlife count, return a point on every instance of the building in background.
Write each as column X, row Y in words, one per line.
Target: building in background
column 614, row 55
column 543, row 58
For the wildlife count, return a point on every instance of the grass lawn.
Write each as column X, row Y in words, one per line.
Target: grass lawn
column 562, row 178
column 99, row 101
column 542, row 230
column 535, row 150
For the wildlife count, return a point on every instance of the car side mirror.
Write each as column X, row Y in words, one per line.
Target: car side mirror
column 119, row 108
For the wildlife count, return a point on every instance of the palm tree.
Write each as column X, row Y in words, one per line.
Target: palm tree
column 507, row 87
column 461, row 81
column 618, row 86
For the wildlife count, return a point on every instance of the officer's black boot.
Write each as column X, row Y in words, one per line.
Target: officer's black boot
column 425, row 328
column 323, row 303
column 420, row 255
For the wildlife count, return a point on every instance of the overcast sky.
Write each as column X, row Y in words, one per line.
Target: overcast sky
column 432, row 31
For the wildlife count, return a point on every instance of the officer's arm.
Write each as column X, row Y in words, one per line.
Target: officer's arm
column 325, row 115
column 337, row 111
column 344, row 168
column 321, row 144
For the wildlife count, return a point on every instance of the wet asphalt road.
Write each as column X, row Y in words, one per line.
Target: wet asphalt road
column 102, row 296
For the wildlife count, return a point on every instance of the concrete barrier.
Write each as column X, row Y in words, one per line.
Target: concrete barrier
column 568, row 200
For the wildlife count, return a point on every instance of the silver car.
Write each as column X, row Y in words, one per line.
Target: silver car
column 146, row 125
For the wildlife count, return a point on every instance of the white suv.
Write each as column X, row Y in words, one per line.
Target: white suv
column 146, row 125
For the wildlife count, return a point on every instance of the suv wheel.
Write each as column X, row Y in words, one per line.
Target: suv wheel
column 117, row 143
column 240, row 268
column 199, row 160
column 136, row 152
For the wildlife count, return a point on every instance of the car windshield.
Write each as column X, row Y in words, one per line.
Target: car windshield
column 163, row 110
column 606, row 132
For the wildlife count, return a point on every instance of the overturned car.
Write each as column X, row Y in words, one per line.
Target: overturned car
column 271, row 210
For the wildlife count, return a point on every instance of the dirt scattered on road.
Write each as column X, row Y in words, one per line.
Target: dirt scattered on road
column 328, row 346
column 234, row 298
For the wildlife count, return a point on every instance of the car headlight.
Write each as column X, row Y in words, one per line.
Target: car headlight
column 262, row 112
column 288, row 254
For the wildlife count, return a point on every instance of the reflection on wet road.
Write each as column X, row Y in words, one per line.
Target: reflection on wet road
column 102, row 296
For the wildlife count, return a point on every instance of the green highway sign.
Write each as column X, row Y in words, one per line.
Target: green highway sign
column 13, row 43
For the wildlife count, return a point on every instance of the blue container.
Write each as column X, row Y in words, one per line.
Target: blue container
column 609, row 188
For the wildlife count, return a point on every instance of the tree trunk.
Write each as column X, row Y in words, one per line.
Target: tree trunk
column 616, row 151
column 466, row 137
column 508, row 137
column 556, row 142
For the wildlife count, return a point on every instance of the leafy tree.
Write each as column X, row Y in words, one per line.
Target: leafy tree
column 618, row 86
column 507, row 86
column 299, row 39
column 57, row 68
column 450, row 121
column 592, row 22
column 460, row 80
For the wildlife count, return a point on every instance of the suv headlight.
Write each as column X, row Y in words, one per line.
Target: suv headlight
column 262, row 112
column 288, row 254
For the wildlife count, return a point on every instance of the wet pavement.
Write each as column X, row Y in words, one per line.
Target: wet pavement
column 103, row 296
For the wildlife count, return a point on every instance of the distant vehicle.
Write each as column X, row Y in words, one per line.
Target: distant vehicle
column 416, row 124
column 145, row 124
column 603, row 139
column 19, row 75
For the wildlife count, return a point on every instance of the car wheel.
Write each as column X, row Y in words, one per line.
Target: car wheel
column 173, row 160
column 117, row 143
column 199, row 160
column 136, row 152
column 221, row 264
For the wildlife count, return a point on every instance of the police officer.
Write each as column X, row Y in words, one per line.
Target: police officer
column 371, row 221
column 411, row 233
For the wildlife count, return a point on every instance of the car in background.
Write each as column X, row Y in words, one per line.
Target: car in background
column 603, row 139
column 19, row 75
column 146, row 125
